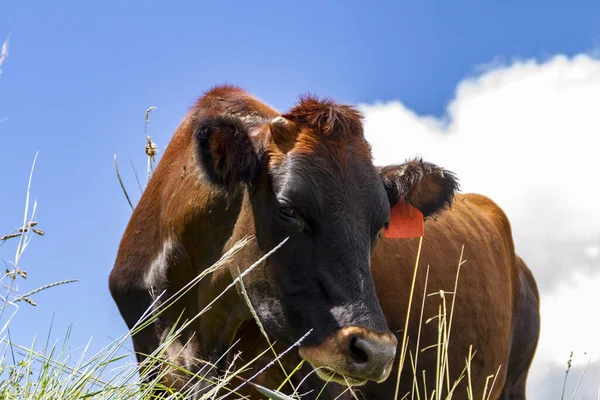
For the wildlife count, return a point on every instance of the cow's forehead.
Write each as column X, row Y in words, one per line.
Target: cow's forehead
column 323, row 179
column 327, row 163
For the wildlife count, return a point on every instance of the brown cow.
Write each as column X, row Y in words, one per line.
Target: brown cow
column 235, row 168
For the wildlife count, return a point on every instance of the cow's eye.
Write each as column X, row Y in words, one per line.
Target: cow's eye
column 289, row 212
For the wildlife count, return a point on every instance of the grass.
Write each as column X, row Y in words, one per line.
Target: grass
column 55, row 373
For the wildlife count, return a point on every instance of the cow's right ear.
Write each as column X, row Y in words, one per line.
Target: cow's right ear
column 224, row 145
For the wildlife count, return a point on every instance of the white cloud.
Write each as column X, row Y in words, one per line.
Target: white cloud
column 525, row 135
column 3, row 53
column 593, row 252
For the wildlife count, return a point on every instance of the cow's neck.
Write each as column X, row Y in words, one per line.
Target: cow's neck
column 219, row 324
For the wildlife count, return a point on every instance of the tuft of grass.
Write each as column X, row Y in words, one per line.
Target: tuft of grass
column 22, row 236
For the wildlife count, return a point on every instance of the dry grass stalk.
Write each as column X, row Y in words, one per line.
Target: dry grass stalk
column 264, row 333
column 569, row 363
column 404, row 337
column 296, row 344
column 582, row 375
column 415, row 384
column 26, row 296
column 122, row 185
column 151, row 149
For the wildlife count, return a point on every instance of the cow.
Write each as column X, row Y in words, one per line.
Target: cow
column 337, row 290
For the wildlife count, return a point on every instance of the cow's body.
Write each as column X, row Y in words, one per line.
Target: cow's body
column 183, row 224
column 496, row 300
column 496, row 309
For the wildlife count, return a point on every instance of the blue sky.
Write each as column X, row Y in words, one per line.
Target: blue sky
column 80, row 75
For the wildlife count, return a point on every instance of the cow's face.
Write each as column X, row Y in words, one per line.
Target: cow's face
column 311, row 179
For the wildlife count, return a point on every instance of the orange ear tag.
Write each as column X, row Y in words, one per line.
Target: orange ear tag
column 406, row 221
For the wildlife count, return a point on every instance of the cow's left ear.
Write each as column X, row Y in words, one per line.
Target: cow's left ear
column 424, row 185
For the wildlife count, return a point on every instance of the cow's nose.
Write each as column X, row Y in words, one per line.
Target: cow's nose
column 371, row 355
column 354, row 352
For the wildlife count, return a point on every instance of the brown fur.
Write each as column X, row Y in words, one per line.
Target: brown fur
column 183, row 222
column 327, row 118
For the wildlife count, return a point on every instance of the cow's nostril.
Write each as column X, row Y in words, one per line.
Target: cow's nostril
column 357, row 351
column 370, row 356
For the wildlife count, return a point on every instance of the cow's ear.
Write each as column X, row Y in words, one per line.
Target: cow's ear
column 228, row 150
column 424, row 185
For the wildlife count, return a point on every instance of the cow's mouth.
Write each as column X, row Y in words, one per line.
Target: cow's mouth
column 329, row 375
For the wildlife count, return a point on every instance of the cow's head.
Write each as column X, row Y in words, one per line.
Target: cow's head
column 310, row 178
